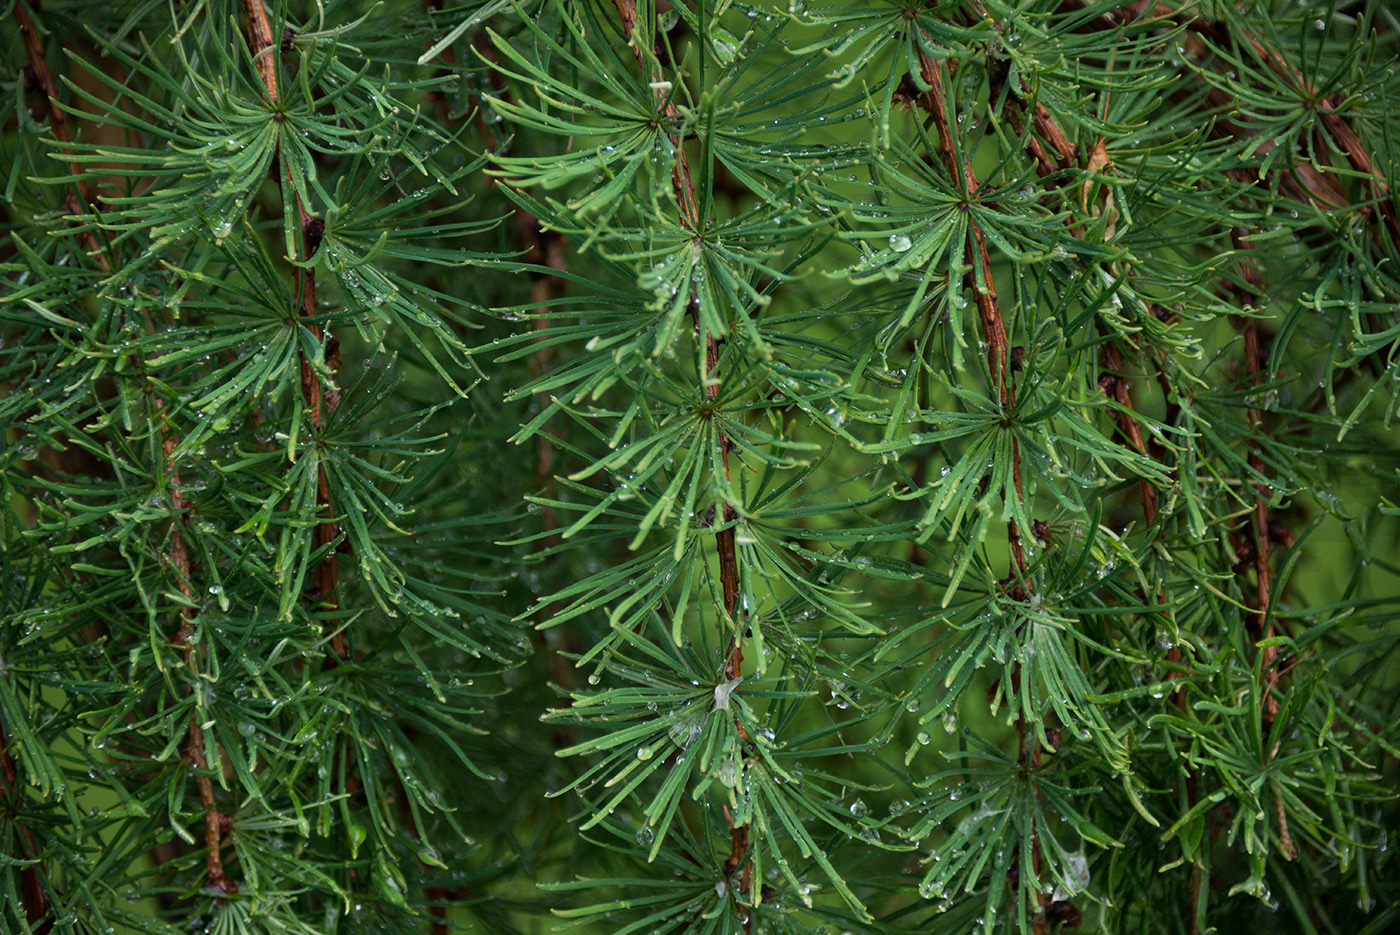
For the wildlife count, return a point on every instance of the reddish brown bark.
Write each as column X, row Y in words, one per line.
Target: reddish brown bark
column 320, row 402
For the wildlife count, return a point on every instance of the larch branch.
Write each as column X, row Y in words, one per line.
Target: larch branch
column 320, row 402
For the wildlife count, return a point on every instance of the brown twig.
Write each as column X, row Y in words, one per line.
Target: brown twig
column 684, row 189
column 1114, row 386
column 1337, row 128
column 178, row 559
column 320, row 402
column 1262, row 524
column 978, row 258
column 78, row 200
column 998, row 71
column 1066, row 154
column 33, row 895
column 994, row 333
column 261, row 42
column 681, row 181
column 546, row 249
column 43, row 79
column 1261, row 520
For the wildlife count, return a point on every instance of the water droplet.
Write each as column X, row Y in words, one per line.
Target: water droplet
column 723, row 691
column 730, row 770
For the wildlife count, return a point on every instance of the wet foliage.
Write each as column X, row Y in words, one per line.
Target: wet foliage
column 706, row 467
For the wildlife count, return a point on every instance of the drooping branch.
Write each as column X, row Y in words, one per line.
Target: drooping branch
column 1261, row 524
column 1113, row 380
column 1302, row 181
column 1261, row 520
column 684, row 188
column 81, row 196
column 1307, row 183
column 978, row 259
column 681, row 181
column 182, row 568
column 1114, row 385
column 320, row 401
column 177, row 558
column 994, row 333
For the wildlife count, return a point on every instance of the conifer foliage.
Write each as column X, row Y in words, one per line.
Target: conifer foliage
column 630, row 466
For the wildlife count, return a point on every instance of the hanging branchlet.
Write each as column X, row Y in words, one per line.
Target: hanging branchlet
column 80, row 200
column 979, row 280
column 183, row 571
column 684, row 188
column 321, row 401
